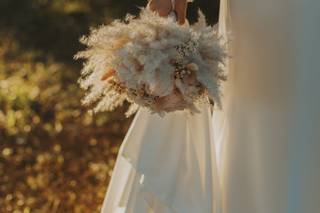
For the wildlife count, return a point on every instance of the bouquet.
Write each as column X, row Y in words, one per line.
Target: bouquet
column 153, row 62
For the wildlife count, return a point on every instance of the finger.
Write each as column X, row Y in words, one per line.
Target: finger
column 181, row 9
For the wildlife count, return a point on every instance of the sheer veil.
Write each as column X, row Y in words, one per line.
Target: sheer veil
column 224, row 18
column 219, row 118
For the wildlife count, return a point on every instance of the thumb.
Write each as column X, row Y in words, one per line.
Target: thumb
column 181, row 9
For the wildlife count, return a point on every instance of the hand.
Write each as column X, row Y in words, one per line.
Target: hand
column 164, row 8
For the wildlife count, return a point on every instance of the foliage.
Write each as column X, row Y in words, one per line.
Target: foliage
column 48, row 139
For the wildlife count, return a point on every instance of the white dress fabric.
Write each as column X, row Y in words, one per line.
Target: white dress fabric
column 269, row 130
column 166, row 165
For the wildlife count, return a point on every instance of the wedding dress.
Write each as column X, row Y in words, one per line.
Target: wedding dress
column 268, row 133
column 166, row 165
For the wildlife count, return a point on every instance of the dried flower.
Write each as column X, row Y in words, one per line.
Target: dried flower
column 156, row 63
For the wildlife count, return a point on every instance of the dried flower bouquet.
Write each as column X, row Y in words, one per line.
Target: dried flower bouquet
column 153, row 62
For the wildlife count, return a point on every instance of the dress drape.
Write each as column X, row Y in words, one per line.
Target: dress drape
column 166, row 165
column 269, row 130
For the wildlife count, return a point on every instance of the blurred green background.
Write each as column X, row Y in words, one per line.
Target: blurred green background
column 54, row 155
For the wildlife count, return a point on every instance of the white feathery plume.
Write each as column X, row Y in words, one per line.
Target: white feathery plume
column 157, row 64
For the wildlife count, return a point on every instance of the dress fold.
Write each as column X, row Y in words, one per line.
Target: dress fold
column 165, row 165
